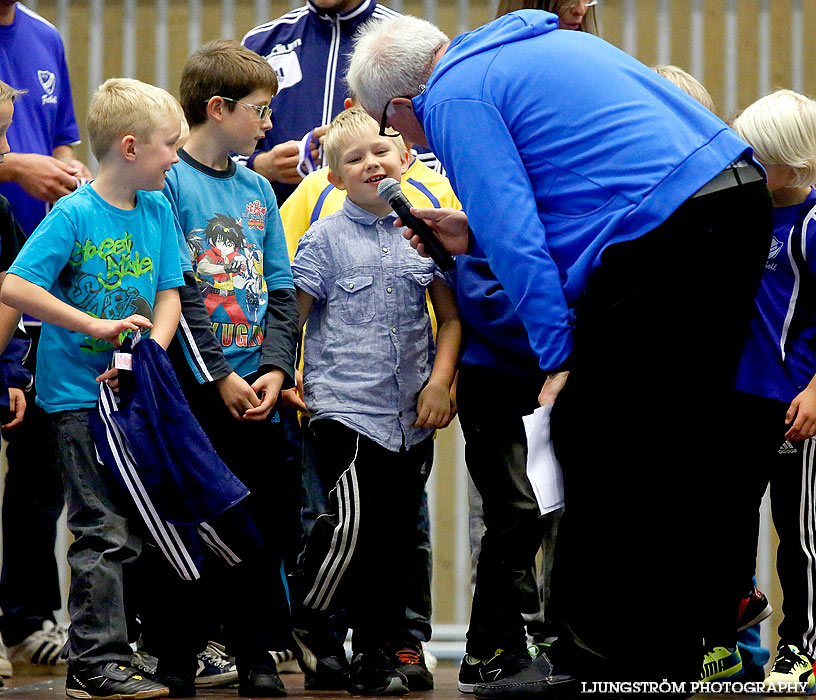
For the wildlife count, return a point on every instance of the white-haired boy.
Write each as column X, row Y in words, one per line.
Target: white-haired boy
column 376, row 388
column 776, row 386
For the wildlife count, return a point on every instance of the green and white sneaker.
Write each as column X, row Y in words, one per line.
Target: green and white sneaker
column 792, row 673
column 721, row 664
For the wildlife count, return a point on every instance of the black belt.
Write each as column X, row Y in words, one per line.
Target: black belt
column 741, row 172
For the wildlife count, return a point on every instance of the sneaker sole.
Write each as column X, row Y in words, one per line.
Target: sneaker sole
column 219, row 681
column 394, row 687
column 466, row 687
column 6, row 669
column 142, row 695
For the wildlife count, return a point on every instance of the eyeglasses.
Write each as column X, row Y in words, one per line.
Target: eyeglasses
column 386, row 130
column 263, row 111
column 571, row 4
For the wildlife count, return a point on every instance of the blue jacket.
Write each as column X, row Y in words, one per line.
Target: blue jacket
column 558, row 144
column 309, row 49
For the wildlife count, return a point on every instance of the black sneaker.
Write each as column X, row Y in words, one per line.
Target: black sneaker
column 112, row 680
column 475, row 672
column 752, row 610
column 259, row 679
column 409, row 660
column 536, row 679
column 180, row 686
column 373, row 673
column 322, row 659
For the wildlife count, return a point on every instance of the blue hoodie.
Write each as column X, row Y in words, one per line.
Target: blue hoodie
column 558, row 144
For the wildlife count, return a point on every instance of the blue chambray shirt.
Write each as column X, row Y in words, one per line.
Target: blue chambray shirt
column 369, row 348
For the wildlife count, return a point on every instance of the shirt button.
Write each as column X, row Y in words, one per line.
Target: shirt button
column 351, row 285
column 381, row 222
column 422, row 279
column 385, row 249
column 398, row 370
column 388, row 289
column 394, row 329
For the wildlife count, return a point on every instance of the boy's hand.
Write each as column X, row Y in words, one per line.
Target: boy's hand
column 17, row 407
column 111, row 329
column 552, row 386
column 293, row 398
column 267, row 387
column 802, row 413
column 434, row 409
column 110, row 376
column 237, row 394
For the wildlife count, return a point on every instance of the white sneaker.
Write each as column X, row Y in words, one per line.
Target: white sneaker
column 39, row 653
column 430, row 660
column 216, row 668
column 6, row 669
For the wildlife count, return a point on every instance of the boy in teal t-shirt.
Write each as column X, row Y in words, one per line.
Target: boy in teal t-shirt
column 235, row 350
column 103, row 262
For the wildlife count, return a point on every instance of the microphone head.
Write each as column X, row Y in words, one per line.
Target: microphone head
column 387, row 188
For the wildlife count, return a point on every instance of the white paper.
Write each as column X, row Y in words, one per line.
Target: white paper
column 543, row 469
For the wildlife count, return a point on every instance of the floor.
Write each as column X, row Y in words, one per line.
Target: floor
column 49, row 688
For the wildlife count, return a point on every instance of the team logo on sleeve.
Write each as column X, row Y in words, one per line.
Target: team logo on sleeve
column 48, row 81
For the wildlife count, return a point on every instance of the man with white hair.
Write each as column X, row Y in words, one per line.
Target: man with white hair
column 629, row 226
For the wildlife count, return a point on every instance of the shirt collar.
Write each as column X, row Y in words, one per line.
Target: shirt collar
column 361, row 216
column 355, row 14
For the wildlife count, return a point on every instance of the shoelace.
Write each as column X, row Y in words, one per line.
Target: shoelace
column 214, row 657
column 407, row 656
column 786, row 660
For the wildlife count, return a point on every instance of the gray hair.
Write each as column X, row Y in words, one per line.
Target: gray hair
column 392, row 58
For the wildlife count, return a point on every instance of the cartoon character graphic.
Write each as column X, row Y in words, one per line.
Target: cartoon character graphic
column 252, row 281
column 218, row 265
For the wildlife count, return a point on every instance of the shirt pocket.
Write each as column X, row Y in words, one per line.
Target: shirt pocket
column 356, row 296
column 416, row 282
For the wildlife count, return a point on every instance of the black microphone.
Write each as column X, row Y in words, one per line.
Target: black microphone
column 389, row 190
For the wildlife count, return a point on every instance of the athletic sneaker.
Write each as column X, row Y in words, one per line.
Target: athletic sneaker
column 259, row 679
column 409, row 660
column 792, row 673
column 721, row 663
column 112, row 680
column 40, row 651
column 216, row 668
column 322, row 659
column 6, row 669
column 503, row 663
column 373, row 673
column 753, row 609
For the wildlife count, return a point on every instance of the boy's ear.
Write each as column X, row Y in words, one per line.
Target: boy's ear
column 127, row 146
column 216, row 107
column 335, row 180
column 406, row 161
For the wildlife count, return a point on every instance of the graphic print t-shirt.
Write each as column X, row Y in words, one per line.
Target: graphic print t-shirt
column 105, row 261
column 235, row 241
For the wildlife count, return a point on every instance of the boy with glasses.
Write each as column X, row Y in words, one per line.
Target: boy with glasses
column 236, row 350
